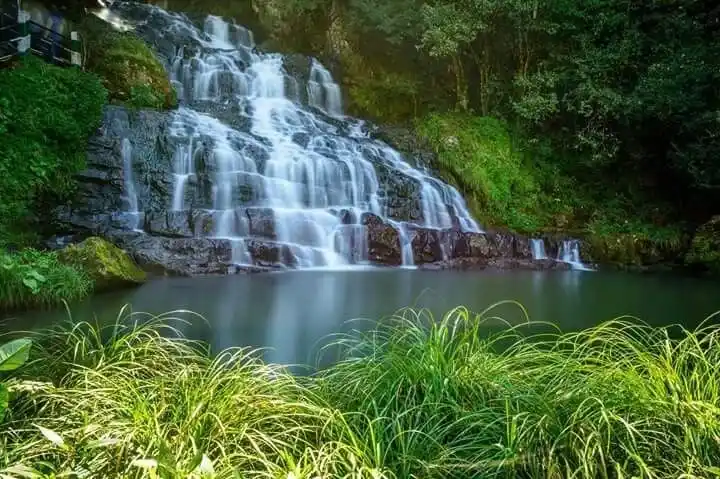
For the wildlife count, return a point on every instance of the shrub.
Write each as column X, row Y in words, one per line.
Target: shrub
column 34, row 278
column 47, row 114
column 127, row 66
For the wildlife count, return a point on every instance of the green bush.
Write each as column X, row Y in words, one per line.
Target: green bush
column 477, row 154
column 32, row 278
column 458, row 397
column 47, row 114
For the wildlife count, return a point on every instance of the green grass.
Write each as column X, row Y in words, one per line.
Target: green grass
column 476, row 154
column 37, row 279
column 415, row 397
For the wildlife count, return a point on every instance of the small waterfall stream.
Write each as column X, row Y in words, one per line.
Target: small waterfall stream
column 312, row 170
column 538, row 248
column 130, row 195
column 568, row 252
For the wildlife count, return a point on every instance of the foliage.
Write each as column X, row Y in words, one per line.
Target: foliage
column 478, row 155
column 46, row 115
column 107, row 265
column 705, row 248
column 32, row 278
column 453, row 398
column 127, row 66
column 12, row 356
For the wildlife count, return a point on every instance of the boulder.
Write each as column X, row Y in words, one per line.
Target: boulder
column 704, row 252
column 108, row 266
column 175, row 256
column 383, row 241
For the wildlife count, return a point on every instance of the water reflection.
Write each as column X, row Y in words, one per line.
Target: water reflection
column 291, row 312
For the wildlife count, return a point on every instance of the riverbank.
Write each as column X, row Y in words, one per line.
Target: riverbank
column 415, row 398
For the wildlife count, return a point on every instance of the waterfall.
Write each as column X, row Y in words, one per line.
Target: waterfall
column 323, row 92
column 269, row 152
column 538, row 249
column 130, row 195
column 569, row 252
column 406, row 251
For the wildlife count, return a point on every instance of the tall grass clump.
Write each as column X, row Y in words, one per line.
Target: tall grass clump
column 414, row 398
column 448, row 400
column 133, row 402
column 37, row 279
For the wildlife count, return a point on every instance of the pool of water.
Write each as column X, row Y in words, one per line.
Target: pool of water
column 291, row 313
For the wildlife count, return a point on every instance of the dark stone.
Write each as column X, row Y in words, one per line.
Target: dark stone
column 261, row 221
column 175, row 256
column 404, row 139
column 383, row 241
column 269, row 254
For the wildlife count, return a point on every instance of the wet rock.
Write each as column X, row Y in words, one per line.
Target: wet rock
column 107, row 265
column 430, row 245
column 269, row 254
column 404, row 139
column 472, row 245
column 173, row 224
column 261, row 221
column 402, row 194
column 175, row 256
column 383, row 241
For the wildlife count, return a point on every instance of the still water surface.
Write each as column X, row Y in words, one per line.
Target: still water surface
column 291, row 313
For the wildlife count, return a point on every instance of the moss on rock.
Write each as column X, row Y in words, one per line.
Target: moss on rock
column 128, row 67
column 705, row 247
column 108, row 266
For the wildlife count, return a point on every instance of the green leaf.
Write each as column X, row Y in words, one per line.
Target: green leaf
column 14, row 354
column 4, row 400
column 31, row 284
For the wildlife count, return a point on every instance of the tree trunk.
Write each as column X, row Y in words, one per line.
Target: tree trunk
column 461, row 88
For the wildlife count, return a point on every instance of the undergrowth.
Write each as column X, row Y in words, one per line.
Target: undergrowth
column 520, row 183
column 47, row 114
column 37, row 279
column 415, row 397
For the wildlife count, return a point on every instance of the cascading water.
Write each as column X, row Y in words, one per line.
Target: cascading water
column 537, row 246
column 323, row 92
column 569, row 252
column 130, row 195
column 313, row 171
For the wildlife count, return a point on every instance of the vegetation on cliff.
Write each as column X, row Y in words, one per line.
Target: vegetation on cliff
column 415, row 398
column 127, row 66
column 47, row 114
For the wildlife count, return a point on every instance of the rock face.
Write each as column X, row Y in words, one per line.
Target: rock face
column 108, row 266
column 704, row 250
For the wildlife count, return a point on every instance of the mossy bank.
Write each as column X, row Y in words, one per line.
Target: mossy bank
column 47, row 115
